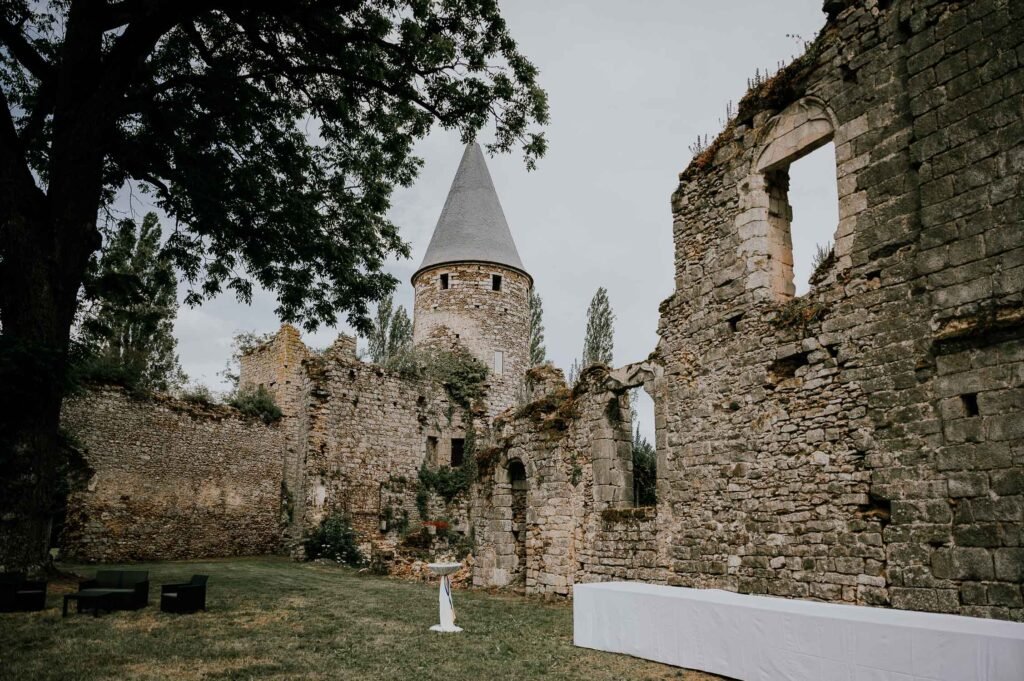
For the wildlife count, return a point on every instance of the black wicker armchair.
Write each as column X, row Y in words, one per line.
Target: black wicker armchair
column 187, row 597
column 19, row 594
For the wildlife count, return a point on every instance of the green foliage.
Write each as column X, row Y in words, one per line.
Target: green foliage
column 390, row 338
column 538, row 353
column 334, row 540
column 422, row 499
column 197, row 393
column 127, row 312
column 257, row 402
column 597, row 345
column 824, row 258
column 462, row 375
column 449, row 482
column 798, row 313
column 645, row 475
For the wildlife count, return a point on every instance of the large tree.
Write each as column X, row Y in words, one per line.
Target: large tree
column 271, row 133
column 131, row 297
column 599, row 341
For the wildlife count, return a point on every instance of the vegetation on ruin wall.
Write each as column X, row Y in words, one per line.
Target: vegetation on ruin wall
column 773, row 93
column 446, row 481
column 798, row 314
column 256, row 402
column 552, row 412
column 463, row 376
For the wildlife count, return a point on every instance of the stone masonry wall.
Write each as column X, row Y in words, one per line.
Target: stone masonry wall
column 861, row 443
column 482, row 320
column 357, row 434
column 171, row 480
column 579, row 524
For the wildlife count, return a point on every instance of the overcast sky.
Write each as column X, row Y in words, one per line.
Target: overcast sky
column 631, row 86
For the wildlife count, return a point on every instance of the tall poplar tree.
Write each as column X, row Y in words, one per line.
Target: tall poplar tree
column 538, row 353
column 597, row 345
column 131, row 302
column 390, row 333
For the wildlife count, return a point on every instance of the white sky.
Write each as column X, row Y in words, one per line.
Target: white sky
column 631, row 86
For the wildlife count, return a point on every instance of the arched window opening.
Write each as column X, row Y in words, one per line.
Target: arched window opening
column 644, row 457
column 517, row 474
column 813, row 201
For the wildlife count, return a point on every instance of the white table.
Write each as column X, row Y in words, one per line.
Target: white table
column 760, row 638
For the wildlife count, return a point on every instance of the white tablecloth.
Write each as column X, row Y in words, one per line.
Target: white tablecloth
column 759, row 638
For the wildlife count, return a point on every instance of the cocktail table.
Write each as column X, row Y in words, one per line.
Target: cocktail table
column 90, row 599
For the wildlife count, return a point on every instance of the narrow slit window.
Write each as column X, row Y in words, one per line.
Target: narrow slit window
column 458, row 451
column 431, row 448
column 495, row 282
column 444, row 282
column 499, row 362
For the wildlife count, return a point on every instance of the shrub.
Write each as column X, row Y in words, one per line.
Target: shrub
column 334, row 540
column 256, row 402
column 197, row 393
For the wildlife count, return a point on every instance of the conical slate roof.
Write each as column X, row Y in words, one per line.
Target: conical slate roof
column 472, row 226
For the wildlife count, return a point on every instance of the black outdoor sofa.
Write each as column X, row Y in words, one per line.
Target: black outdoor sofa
column 187, row 597
column 112, row 590
column 18, row 594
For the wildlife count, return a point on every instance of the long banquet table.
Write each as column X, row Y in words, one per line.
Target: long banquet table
column 761, row 638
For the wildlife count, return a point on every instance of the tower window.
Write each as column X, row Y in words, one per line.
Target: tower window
column 458, row 451
column 444, row 281
column 495, row 282
column 499, row 362
column 431, row 448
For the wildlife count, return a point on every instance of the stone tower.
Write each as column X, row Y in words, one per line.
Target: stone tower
column 471, row 287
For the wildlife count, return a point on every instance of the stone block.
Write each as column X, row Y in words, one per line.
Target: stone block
column 1009, row 565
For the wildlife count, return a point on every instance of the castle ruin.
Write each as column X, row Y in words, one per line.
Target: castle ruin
column 862, row 443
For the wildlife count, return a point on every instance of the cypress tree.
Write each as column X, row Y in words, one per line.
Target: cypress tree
column 538, row 353
column 597, row 345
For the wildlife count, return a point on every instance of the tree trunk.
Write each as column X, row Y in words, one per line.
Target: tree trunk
column 37, row 315
column 47, row 242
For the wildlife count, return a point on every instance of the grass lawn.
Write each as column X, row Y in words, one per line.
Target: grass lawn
column 271, row 618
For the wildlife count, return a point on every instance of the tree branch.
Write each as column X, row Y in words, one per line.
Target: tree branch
column 23, row 51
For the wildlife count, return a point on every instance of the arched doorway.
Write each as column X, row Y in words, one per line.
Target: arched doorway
column 520, row 488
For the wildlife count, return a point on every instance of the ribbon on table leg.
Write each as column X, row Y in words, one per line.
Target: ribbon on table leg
column 448, row 593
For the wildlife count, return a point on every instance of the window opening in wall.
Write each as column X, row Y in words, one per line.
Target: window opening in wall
column 809, row 201
column 458, row 451
column 970, row 401
column 517, row 474
column 495, row 282
column 431, row 449
column 499, row 362
column 444, row 281
column 645, row 460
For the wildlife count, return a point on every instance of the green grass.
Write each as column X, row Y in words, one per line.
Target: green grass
column 271, row 618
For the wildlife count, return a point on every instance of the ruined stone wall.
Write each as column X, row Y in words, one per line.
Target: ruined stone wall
column 483, row 320
column 579, row 523
column 368, row 428
column 861, row 443
column 171, row 480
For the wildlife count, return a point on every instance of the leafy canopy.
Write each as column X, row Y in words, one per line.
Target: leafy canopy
column 272, row 133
